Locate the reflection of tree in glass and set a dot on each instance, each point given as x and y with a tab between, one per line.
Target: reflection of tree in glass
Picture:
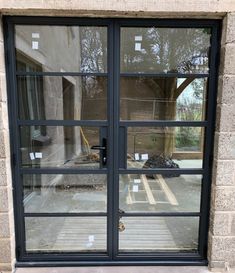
93	43
165	50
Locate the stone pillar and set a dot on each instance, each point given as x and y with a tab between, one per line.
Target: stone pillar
221	246
7	240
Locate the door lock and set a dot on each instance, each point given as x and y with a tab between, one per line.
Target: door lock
103	150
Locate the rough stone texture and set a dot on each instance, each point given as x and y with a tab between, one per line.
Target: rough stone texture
224	172
7	241
221	249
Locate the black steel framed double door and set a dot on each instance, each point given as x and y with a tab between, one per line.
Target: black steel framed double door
111	136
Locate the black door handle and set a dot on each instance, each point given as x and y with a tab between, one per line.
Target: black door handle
103	151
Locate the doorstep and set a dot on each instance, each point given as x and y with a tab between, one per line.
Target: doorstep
119	269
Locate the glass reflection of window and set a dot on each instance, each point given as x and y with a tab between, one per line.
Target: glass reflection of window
31	90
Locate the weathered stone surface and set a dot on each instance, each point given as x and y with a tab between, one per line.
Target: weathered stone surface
227	59
228	33
224	145
224	173
225	118
220	223
232	231
4	205
3	88
223	249
226	90
4	144
164	6
4	225
224	198
5	250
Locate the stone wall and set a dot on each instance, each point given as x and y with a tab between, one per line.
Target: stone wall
7	240
222	226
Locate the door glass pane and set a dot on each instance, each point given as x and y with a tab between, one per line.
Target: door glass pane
61	48
65	234
59	146
65	193
160	193
180	50
165	98
62	98
165	147
148	234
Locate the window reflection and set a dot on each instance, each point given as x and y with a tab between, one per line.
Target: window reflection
63	48
165	147
60	146
165	98
181	50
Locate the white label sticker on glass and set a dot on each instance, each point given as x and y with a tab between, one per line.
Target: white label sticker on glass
137	156
144	156
137	181
137	46
91	238
138	38
38	155
35	35
135	188
35	45
31	155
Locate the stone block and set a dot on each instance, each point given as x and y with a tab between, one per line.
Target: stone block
3	88
228	32
223	249
2	58
225	119
5	268
224	147
227	59
4	201
224	173
232	226
4	144
226	90
4	116
4	225
220	223
5	250
224	198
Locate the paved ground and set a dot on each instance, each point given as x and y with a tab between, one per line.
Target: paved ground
120	269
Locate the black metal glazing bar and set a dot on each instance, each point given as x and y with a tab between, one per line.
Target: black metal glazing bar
14	137
56	74
163	123
162	214
92	123
164	75
162	171
209	140
65	214
61	171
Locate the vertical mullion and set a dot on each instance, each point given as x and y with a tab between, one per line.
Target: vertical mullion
209	139
116	110
110	134
14	138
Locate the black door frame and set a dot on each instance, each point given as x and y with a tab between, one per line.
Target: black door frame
25	259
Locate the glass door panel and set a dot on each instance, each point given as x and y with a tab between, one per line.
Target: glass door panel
162	98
